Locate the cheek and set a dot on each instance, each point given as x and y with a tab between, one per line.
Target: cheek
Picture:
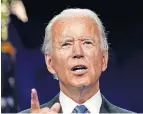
60	62
95	60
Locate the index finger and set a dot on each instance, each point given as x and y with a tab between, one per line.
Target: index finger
35	105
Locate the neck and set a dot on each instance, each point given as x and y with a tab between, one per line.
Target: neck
82	94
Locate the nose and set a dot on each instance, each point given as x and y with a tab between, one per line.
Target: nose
77	52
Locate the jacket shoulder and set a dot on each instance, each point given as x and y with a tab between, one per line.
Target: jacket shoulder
113	108
116	109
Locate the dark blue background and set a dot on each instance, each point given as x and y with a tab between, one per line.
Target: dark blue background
121	83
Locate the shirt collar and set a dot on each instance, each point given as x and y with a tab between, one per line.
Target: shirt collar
93	104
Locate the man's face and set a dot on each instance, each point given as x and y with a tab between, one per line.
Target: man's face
77	58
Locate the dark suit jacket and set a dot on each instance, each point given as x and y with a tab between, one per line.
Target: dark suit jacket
106	106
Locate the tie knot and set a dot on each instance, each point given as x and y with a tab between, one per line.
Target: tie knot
80	109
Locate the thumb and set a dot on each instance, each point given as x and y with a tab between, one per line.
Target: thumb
56	107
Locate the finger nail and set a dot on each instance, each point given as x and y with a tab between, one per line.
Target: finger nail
32	95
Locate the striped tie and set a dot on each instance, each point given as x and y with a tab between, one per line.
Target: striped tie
80	109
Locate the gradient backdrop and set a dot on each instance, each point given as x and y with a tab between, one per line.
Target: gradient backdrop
121	84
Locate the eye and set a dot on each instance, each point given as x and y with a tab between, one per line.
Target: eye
88	42
66	44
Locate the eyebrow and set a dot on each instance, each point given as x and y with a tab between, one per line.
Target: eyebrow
88	38
70	39
66	40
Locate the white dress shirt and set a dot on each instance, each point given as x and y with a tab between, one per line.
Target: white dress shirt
93	104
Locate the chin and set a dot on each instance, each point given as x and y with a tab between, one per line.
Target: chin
81	85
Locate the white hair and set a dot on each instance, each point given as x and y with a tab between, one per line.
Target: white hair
72	12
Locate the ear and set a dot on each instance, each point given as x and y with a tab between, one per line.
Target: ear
49	63
105	60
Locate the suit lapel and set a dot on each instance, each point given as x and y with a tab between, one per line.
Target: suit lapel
105	106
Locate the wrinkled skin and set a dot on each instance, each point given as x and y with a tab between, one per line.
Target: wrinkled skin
76	41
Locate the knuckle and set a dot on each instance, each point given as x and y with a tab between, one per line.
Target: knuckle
44	110
34	111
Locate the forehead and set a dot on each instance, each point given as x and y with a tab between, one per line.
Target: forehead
78	26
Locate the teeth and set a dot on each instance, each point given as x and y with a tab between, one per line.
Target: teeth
80	70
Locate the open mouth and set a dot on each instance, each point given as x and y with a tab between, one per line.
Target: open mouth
79	68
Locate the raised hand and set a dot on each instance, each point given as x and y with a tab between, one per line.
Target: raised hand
35	105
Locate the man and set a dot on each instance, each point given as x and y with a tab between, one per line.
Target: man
76	53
